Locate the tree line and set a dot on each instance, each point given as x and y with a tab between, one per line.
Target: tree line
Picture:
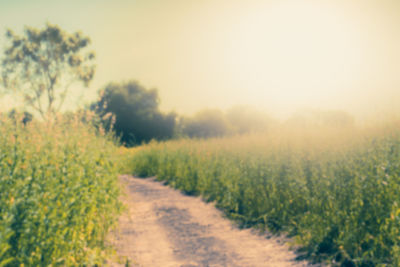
42	64
137	117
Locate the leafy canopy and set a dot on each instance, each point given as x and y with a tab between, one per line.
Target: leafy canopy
137	115
42	64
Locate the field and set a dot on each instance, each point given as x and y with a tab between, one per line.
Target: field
336	192
59	193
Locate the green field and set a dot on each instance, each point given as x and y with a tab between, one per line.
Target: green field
59	193
336	192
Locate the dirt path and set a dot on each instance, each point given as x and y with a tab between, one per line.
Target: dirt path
165	228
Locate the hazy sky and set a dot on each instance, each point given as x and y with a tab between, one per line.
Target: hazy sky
277	55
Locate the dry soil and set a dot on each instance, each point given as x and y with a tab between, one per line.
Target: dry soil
163	227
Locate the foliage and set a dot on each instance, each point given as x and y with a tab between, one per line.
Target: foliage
244	119
215	123
137	117
43	63
59	193
337	192
25	116
206	123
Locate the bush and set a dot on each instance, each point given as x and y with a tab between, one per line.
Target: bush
210	123
205	124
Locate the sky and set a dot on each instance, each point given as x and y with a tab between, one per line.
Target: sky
276	55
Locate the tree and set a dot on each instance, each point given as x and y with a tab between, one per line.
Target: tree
137	117
245	119
206	123
43	63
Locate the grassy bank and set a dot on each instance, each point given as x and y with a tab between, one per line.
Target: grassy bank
337	192
59	193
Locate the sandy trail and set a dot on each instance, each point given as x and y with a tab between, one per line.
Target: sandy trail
165	228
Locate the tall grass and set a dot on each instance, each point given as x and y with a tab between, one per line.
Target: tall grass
58	193
336	192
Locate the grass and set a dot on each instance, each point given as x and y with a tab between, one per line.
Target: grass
59	193
335	191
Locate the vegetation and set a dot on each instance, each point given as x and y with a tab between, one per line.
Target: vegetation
205	124
336	191
43	63
25	116
317	178
215	123
244	119
59	192
136	113
133	112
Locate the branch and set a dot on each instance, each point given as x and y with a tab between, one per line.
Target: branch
64	94
38	108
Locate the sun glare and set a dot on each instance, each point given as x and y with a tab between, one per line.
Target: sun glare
295	52
277	55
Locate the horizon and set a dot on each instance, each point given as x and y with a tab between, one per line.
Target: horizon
276	56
